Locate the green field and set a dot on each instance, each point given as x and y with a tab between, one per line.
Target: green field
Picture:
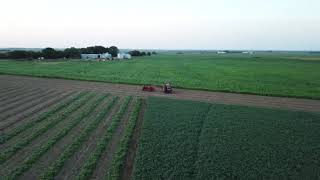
277	74
194	140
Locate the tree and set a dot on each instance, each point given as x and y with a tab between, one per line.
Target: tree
72	53
49	53
149	53
113	50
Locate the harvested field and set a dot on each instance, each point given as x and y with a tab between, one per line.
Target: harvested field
63	129
49	133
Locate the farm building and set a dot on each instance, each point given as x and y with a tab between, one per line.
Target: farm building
96	56
124	56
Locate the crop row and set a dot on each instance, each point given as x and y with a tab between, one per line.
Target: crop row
35	101
14	97
88	168
51	171
179	129
7	136
6	154
24	100
6	95
119	158
35	155
32	112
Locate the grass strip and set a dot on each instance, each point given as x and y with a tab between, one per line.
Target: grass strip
51	142
121	154
5	137
6	154
88	168
51	171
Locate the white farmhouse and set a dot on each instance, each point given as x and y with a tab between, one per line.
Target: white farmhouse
124	56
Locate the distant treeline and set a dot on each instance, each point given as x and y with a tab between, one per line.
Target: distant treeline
72	53
50	53
138	53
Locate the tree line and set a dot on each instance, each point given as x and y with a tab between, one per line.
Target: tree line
138	53
51	53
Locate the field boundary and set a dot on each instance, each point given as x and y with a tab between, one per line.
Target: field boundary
294	104
180	87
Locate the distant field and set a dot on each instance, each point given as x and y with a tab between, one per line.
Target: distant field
194	140
277	74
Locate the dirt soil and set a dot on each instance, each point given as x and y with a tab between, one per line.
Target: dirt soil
133	145
298	104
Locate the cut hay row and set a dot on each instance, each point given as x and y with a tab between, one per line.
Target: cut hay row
7	153
28	162
9	99
51	171
33	111
25	100
7	89
14	93
119	158
50	112
32	103
90	164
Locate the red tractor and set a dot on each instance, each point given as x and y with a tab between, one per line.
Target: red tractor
148	88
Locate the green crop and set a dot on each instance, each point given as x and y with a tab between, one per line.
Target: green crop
88	168
194	140
119	157
51	171
277	74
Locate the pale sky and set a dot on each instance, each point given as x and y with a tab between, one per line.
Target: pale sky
162	24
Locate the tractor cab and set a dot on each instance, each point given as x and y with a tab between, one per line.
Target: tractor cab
167	88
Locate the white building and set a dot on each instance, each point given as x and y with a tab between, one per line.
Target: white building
96	56
124	56
221	52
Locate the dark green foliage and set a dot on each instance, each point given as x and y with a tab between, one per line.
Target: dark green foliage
88	168
35	155
113	50
169	136
52	170
119	157
183	140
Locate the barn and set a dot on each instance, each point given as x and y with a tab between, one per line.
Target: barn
96	56
124	56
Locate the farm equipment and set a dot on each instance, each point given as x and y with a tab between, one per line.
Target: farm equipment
148	88
167	88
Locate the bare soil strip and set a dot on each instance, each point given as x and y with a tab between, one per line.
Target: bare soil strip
18	96
6	89
7	95
26	105
307	105
22	101
72	166
34	111
105	161
133	146
18	158
22	140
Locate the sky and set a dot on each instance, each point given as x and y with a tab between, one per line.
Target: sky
162	24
